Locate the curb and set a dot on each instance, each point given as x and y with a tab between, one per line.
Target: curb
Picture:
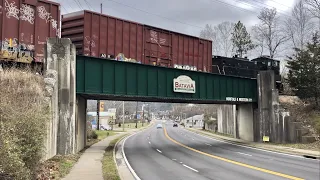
290	153
114	152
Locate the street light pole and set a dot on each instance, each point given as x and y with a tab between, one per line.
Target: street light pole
137	115
123	116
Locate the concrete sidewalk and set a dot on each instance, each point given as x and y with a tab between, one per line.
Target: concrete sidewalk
89	166
265	146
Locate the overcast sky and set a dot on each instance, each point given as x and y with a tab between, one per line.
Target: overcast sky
185	16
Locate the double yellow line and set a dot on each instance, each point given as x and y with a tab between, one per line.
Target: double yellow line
231	161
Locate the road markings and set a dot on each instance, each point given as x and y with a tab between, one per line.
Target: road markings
208	144
173	159
180	162
159	151
190	168
231	161
149	142
244	154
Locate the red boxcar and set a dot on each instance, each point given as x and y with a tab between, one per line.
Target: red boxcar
100	35
25	26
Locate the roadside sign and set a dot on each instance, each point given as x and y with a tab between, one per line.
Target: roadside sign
111	121
265	139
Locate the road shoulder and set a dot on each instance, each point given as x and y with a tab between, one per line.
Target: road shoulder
268	147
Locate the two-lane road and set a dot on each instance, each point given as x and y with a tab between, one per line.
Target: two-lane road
174	153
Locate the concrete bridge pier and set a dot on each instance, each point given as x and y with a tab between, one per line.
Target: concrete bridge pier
61	58
245	122
81	123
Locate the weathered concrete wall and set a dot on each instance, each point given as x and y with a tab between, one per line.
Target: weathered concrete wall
245	122
61	58
52	94
266	84
226	119
81	124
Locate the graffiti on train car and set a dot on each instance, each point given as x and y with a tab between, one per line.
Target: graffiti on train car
27	13
12	50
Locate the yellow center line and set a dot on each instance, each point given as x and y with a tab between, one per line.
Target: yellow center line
231	161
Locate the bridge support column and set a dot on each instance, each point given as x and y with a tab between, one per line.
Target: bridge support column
226	117
245	121
81	123
62	53
268	106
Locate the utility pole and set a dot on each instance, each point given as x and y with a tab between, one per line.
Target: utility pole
137	115
123	116
101	8
98	114
148	113
142	114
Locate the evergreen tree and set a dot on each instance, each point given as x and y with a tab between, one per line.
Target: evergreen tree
241	39
304	71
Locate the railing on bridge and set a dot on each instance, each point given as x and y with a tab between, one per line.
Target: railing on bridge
108	79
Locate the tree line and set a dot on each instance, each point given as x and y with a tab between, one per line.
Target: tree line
296	37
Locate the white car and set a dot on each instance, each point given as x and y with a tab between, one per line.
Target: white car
159	126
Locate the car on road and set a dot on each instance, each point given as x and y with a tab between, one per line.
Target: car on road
159	126
175	125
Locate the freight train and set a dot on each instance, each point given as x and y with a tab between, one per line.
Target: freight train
244	67
25	26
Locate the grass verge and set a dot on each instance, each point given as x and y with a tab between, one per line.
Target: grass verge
101	135
58	166
109	168
211	132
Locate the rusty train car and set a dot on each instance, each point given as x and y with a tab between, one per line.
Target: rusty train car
25	26
104	36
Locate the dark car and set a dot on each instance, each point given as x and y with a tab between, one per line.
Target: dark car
175	125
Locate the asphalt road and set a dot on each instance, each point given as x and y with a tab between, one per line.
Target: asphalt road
174	153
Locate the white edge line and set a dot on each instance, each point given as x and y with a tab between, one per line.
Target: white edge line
125	157
212	138
159	151
244	154
114	152
190	168
208	144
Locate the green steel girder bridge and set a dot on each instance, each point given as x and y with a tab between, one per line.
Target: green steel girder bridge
104	79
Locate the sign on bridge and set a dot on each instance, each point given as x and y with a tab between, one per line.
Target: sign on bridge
184	84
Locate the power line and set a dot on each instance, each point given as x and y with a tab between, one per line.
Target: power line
263	5
78	3
88	4
231	5
155	14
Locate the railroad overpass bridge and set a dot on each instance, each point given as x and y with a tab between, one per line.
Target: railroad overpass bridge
80	78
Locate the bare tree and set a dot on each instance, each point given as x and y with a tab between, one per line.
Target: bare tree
299	26
314	7
258	39
270	30
221	37
224	33
209	33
